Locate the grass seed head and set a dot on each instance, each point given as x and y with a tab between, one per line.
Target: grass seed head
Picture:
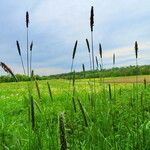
31	46
74	50
18	47
92	18
100	50
27	19
83	67
63	141
88	45
136	49
114	59
8	70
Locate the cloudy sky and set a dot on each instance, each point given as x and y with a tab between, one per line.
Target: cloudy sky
56	24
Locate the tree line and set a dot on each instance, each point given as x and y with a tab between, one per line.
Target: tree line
113	72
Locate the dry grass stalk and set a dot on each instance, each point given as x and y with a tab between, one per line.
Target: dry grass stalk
63	141
8	70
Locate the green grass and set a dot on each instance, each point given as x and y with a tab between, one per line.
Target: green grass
120	123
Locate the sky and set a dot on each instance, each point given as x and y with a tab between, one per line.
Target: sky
55	25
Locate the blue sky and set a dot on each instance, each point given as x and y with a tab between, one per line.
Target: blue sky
56	24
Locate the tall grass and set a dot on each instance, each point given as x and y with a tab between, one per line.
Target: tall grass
27	27
92	42
136	57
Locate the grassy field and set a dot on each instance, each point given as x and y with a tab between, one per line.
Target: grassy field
113	116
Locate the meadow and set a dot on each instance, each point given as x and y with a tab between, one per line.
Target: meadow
116	116
93	113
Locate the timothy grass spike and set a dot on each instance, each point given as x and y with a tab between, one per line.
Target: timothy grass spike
92	18
19	52
88	45
31	47
18	47
73	54
63	141
100	51
8	70
74	50
136	49
27	19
